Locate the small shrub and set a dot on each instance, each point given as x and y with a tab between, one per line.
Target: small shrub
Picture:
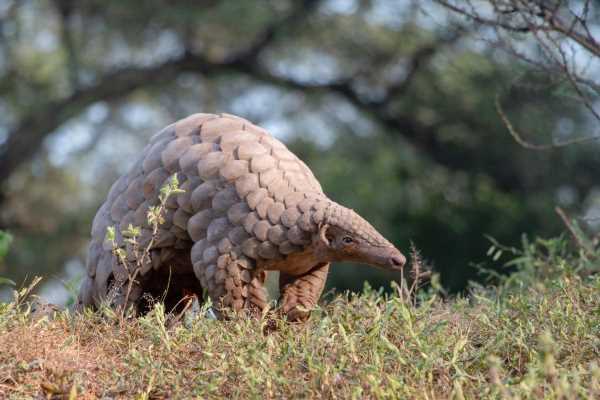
128	247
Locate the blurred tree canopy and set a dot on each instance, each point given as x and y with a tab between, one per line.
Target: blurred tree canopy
392	104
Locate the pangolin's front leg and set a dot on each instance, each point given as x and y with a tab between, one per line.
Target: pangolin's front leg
302	291
234	283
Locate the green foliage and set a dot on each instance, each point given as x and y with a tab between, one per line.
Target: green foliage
20	307
539	341
5	241
542	260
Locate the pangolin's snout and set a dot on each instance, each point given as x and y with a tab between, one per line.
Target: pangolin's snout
397	260
387	257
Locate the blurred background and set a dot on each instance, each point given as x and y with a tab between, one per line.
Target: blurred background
401	109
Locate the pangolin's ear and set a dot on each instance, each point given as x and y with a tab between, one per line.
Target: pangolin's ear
323	234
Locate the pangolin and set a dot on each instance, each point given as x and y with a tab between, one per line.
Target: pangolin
248	206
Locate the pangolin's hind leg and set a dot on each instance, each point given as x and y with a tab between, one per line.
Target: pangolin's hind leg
234	283
301	293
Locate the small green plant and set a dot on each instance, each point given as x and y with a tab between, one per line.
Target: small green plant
575	253
5	242
132	248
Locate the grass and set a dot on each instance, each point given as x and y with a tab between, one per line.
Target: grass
536	335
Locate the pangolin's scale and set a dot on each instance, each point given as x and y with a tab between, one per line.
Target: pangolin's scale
247	199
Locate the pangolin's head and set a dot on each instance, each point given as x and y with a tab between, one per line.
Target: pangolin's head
346	236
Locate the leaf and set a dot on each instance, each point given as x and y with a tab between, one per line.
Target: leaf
6	281
110	234
5	241
497	255
132	231
73	392
460	344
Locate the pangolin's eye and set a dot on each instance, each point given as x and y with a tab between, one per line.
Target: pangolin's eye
347	240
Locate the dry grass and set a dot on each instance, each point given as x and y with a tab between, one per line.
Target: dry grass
527	339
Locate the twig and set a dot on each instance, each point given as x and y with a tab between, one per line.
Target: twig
532	146
569	226
189	301
565	219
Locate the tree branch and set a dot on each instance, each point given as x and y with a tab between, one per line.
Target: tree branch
551	25
532	146
25	140
421	57
474	16
299	13
27	137
65	8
